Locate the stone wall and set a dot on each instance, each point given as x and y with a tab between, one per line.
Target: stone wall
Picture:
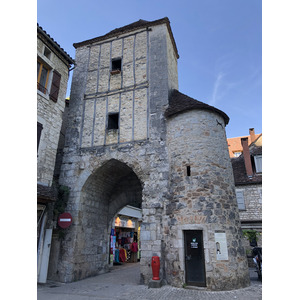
253	202
202	200
49	114
144	162
125	92
140	96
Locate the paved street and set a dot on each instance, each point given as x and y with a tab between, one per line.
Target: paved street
123	283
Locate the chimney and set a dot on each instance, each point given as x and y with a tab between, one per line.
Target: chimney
252	134
247	158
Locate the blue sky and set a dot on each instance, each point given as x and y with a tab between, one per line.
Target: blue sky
219	44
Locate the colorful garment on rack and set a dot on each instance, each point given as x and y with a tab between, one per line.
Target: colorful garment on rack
134	247
122	255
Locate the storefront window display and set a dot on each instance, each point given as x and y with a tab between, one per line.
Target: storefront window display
125	240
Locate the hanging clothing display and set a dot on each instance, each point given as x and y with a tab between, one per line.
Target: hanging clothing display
125	240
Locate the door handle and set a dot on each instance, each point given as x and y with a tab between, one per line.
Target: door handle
188	257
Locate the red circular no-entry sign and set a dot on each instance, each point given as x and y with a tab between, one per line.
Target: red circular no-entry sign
64	220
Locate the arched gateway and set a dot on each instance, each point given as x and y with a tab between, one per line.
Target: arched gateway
133	138
105	192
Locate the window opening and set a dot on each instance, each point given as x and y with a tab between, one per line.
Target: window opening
237	154
240	200
188	170
113	121
258	163
116	65
42	77
47	52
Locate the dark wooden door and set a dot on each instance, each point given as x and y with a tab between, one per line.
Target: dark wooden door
194	258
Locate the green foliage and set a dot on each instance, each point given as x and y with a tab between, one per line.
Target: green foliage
61	234
248	252
60	206
62	200
250	234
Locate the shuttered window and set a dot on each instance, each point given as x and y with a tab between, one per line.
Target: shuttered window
55	86
240	200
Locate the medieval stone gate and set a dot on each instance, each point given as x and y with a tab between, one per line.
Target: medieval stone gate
133	138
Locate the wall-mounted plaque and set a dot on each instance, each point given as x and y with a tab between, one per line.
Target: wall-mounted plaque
221	246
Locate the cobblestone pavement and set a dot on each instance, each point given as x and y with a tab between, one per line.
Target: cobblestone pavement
123	283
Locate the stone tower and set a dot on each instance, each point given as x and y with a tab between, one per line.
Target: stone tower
133	139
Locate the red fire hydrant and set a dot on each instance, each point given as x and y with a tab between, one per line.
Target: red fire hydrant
155	267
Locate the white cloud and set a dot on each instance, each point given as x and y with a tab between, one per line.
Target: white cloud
216	89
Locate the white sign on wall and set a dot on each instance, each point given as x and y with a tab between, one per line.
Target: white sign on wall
221	246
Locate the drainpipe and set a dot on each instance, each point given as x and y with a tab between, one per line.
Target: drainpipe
247	157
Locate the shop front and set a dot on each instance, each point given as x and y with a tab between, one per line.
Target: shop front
125	236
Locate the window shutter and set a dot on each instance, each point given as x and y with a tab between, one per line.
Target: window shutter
240	200
55	86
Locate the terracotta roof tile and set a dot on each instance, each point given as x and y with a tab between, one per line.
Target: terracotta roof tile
235	145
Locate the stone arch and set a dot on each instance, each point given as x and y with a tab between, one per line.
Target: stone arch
109	188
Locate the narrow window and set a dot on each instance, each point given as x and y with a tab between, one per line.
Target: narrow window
116	65
240	200
113	121
188	170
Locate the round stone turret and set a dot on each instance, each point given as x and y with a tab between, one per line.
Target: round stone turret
202	197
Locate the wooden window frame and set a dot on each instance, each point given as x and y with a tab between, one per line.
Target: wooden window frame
41	88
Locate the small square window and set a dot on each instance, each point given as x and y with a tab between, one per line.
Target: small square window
116	66
47	52
113	121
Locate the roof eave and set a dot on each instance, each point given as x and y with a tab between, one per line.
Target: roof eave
55	45
118	33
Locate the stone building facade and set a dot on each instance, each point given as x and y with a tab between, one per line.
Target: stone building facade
53	65
247	170
134	139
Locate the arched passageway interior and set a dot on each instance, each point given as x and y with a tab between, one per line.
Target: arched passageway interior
113	186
